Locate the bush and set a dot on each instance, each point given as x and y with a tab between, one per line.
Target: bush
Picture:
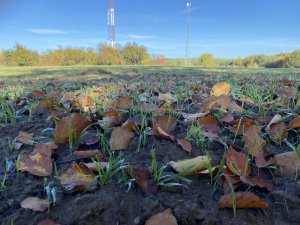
134	54
206	60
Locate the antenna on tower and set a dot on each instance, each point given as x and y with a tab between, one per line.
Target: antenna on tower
111	24
188	34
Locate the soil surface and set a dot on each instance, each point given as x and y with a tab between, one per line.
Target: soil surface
113	204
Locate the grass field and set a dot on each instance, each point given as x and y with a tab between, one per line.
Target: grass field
119	144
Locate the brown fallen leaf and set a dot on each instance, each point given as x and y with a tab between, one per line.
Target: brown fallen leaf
221	88
89	153
295	123
253	142
288	163
124	102
257	181
112	118
244	200
36	94
239	126
38	162
261	162
72	124
84	102
25	138
209	124
121	138
237	162
47	222
162	127
90	138
45	148
277	129
35	204
164	218
78	178
185	144
143	178
226	117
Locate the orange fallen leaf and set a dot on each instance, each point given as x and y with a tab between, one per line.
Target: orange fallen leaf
237	162
244	200
25	138
72	124
253	142
121	138
261	162
221	88
239	126
78	178
295	123
95	166
162	127
84	102
164	218
185	144
288	162
143	178
35	204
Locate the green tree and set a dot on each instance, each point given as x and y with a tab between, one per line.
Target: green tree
294	60
108	55
134	54
206	59
20	56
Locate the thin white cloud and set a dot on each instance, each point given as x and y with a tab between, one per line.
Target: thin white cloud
47	31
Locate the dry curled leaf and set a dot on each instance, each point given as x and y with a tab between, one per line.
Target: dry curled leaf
73	125
124	102
237	162
253	142
78	178
121	138
244	200
25	138
164	218
277	129
221	88
162	127
191	166
257	181
35	204
240	126
185	144
143	178
89	153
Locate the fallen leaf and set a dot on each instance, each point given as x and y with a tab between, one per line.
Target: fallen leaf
237	162
89	153
84	102
295	123
25	138
38	162
209	124
278	131
162	127
78	178
164	218
227	118
288	163
191	166
221	88
244	200
36	94
185	144
90	138
95	166
143	178
47	222
191	117
239	126
257	181
253	142
168	98
121	138
261	162
112	118
35	204
124	102
72	124
276	119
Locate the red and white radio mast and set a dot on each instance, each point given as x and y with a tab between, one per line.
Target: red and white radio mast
111	24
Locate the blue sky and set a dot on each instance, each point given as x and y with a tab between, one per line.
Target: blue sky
225	28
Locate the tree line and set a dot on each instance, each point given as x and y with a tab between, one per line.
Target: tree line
134	54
